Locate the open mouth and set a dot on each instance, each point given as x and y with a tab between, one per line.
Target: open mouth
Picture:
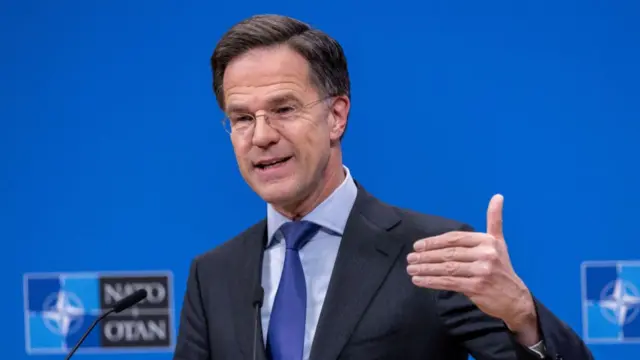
263	165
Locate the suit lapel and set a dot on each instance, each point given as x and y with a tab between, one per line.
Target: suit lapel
242	291
367	253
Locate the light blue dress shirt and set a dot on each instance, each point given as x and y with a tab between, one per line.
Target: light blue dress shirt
317	256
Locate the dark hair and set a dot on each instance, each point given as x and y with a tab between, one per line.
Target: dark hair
327	62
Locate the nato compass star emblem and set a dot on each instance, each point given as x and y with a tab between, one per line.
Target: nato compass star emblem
620	302
63	313
611	302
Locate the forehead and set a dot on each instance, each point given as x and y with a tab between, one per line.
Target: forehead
264	73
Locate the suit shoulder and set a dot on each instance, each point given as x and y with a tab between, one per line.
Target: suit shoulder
430	224
234	246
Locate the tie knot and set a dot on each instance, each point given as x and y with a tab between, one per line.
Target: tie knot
298	233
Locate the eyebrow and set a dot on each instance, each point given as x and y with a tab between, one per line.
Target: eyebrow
282	98
274	101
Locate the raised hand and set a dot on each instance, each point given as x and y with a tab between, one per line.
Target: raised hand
478	265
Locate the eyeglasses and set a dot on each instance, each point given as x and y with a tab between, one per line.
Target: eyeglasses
245	123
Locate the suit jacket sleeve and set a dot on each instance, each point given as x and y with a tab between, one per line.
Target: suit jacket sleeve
486	337
192	343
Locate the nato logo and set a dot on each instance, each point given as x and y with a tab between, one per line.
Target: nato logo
611	302
60	307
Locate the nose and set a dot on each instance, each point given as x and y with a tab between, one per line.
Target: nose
263	134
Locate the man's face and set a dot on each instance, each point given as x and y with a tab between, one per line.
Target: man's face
283	162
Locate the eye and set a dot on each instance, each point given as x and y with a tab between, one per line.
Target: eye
240	117
284	110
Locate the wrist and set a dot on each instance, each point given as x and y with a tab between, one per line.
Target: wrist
524	324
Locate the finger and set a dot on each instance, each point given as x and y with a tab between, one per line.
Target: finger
460	254
450	239
452	268
450	283
494	216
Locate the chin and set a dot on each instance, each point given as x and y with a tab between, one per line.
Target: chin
277	193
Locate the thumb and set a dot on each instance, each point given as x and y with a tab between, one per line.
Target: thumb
494	217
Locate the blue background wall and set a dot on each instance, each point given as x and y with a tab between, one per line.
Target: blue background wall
112	156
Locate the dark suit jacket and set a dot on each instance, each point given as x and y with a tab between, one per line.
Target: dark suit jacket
371	311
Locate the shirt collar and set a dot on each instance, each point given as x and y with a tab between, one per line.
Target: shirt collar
331	214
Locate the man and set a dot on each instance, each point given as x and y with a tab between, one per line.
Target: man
344	275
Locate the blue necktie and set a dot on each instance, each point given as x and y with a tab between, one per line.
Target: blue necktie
288	316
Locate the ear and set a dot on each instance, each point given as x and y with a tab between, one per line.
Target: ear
339	112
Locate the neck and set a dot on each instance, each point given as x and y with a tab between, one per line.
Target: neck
331	178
